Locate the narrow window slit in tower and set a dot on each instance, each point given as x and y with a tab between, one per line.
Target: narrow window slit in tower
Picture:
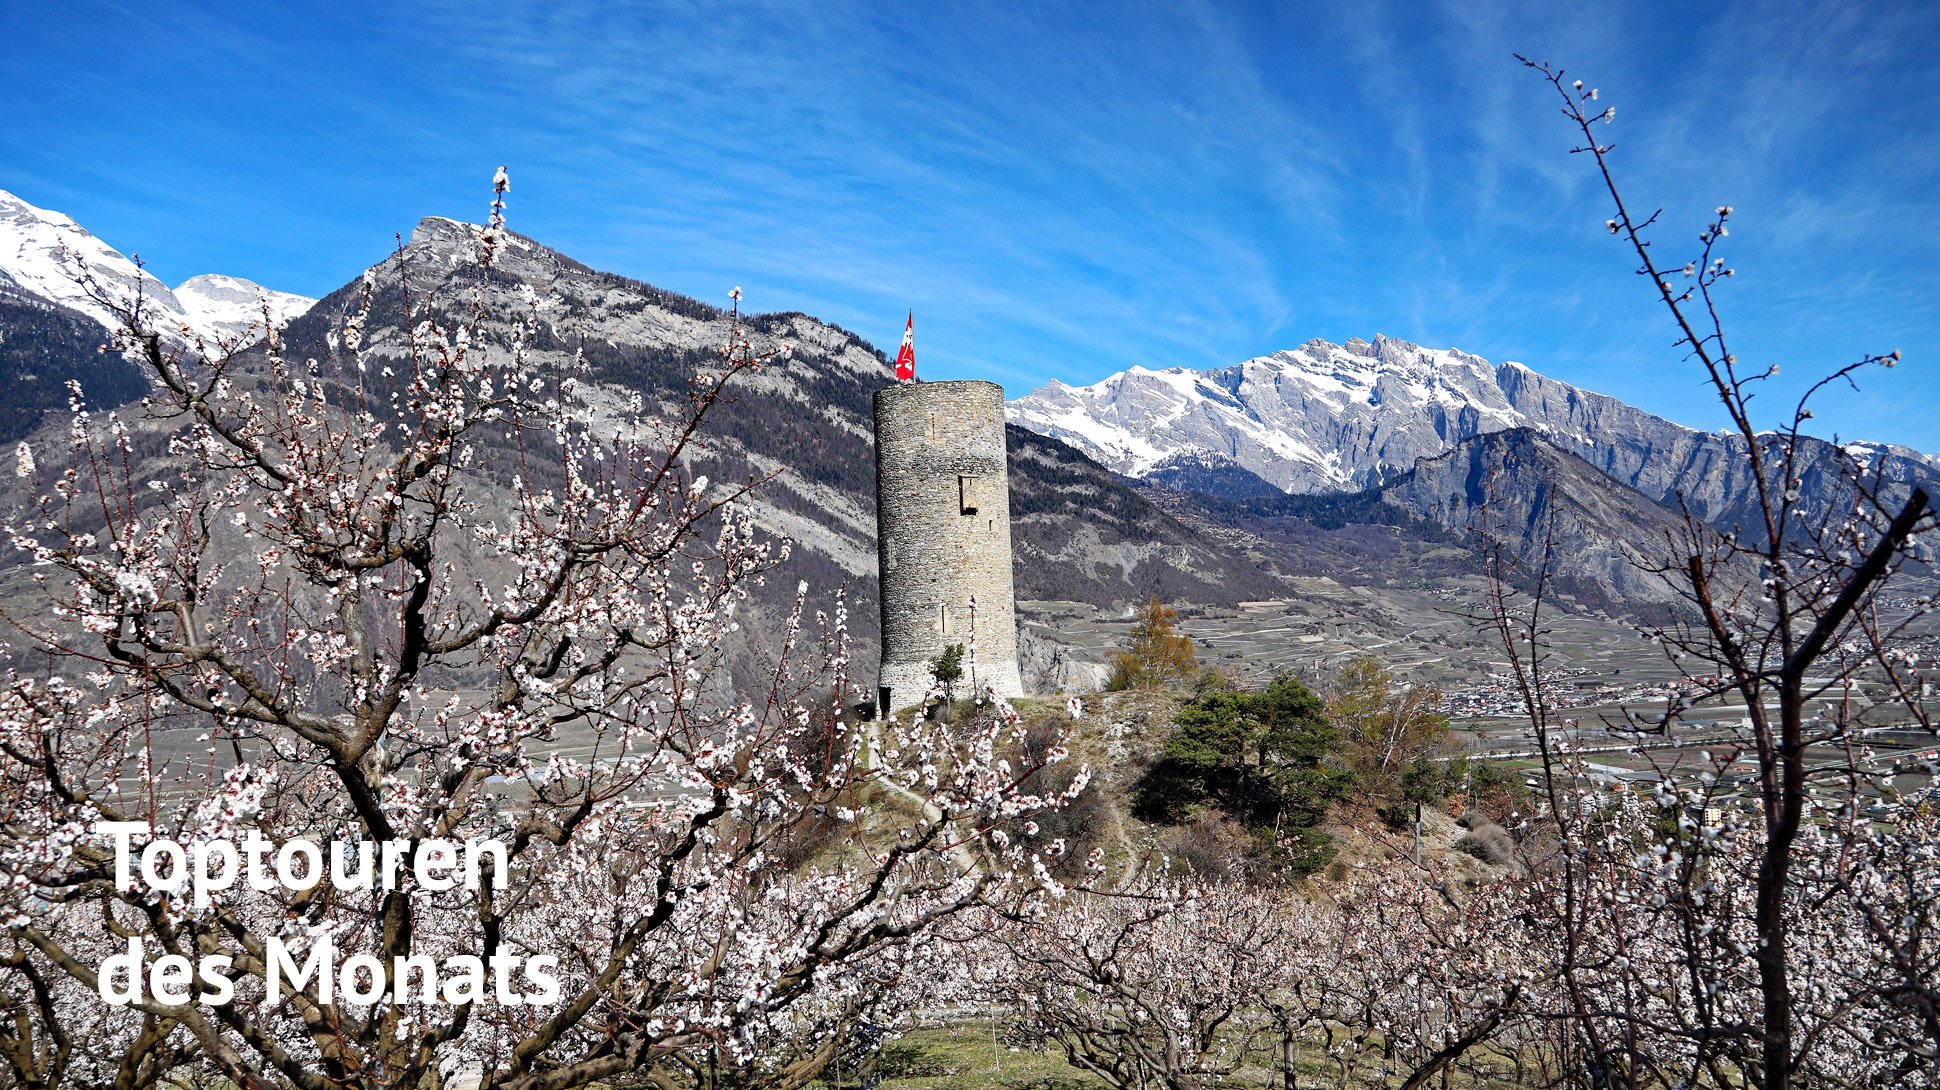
967	495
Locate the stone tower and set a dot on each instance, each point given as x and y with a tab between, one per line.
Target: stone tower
943	536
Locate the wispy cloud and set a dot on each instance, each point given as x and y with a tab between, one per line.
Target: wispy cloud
1061	190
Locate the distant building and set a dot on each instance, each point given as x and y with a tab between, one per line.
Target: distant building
943	536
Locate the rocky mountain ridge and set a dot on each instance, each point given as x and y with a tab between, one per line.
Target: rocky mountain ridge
1343	418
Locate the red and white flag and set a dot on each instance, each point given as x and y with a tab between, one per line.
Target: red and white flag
906	358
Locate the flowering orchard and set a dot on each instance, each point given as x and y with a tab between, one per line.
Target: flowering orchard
1625	956
413	594
1184	986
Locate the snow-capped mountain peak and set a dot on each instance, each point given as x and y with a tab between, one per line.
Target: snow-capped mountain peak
230	306
1335	418
42	251
1318	418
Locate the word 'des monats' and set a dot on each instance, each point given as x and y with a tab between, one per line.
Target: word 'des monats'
205	867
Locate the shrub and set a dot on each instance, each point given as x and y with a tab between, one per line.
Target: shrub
1487	841
1494	790
1206	847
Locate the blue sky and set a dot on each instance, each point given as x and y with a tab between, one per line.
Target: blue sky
1059	191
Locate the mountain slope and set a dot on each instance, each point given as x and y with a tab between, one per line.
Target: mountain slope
1081	533
43	346
1342	418
1213	474
1523	491
1514	485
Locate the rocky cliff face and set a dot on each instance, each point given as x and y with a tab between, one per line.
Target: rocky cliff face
1708	472
1342	418
1513	486
1519	489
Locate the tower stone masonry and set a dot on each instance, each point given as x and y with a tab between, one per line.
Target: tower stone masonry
943	536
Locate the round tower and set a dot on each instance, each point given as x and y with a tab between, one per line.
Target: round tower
943	536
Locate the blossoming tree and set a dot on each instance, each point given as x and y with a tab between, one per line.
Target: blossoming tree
1714	928
423	592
